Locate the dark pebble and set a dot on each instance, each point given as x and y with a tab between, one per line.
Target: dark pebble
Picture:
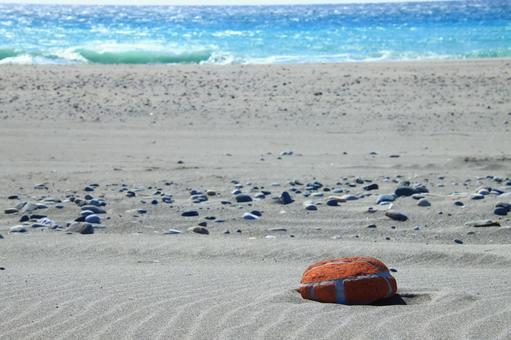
396	216
190	213
242	198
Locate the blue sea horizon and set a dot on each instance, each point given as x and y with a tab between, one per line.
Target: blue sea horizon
282	34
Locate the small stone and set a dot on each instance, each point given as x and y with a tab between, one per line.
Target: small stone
458	241
277	230
130	194
483	224
172	232
501	211
11	211
423	203
396	216
203	224
332	203
88	189
339	199
242	198
372	226
459	203
190	213
385	198
94	209
404	191
18	229
310	206
142	211
250	216
94	219
476	197
81	228
285	198
372	186
199	230
13	197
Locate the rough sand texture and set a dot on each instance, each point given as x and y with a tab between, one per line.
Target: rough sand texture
71	126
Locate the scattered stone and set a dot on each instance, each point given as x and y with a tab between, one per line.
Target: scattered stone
13	197
81	228
339	199
11	211
458	241
250	216
404	191
199	230
190	213
94	219
385	199
94	209
276	230
172	232
372	226
18	229
332	203
242	198
459	203
423	203
483	223
372	186
310	206
501	211
476	197
285	198
396	216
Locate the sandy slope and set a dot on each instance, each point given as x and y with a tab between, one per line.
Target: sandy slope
73	126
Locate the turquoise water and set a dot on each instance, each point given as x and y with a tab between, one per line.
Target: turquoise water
254	34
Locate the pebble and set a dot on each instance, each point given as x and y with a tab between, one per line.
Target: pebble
332	203
501	211
285	198
11	211
476	197
190	213
458	241
459	203
172	232
483	223
81	228
372	186
94	209
371	226
18	229
250	216
349	197
423	203
396	216
310	206
385	198
199	230
94	219
1	237
339	199
13	197
242	198
276	230
404	191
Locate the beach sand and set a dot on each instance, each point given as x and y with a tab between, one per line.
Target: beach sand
170	129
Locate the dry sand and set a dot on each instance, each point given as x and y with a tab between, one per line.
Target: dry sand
72	126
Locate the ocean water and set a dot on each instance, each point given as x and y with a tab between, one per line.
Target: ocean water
254	34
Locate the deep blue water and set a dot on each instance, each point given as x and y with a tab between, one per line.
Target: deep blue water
255	34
